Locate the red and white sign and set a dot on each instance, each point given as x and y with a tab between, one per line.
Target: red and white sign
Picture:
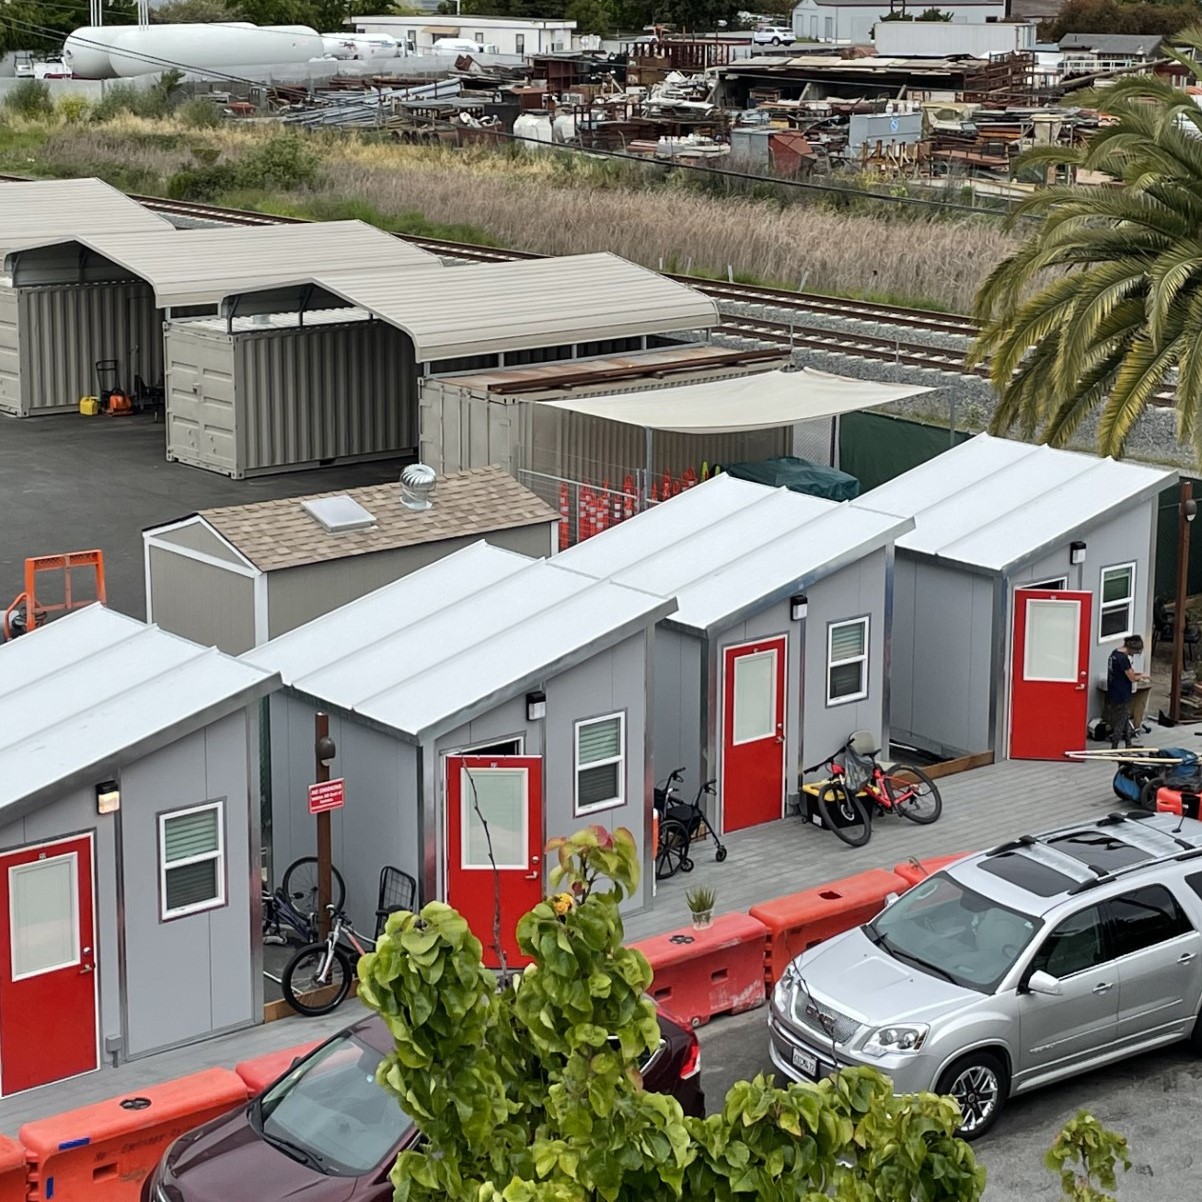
329	795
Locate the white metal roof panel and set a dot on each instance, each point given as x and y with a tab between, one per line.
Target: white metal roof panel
728	547
490	307
992	503
442	644
35	210
202	266
95	689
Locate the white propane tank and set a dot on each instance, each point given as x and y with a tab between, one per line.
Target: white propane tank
533	130
563	129
211	47
360	45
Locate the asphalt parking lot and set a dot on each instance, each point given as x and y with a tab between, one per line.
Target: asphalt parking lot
1155	1101
72	483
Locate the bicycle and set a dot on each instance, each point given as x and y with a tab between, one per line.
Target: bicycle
294	903
324	969
679	825
848	803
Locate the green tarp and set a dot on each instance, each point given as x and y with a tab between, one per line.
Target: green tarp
798	475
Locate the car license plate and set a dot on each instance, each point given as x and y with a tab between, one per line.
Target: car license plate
806	1064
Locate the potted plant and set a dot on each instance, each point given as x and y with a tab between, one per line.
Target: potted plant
701	906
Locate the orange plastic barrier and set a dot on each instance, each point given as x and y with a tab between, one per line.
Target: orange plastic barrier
260	1072
803	919
13	1183
702	973
103	1153
1175	801
913	871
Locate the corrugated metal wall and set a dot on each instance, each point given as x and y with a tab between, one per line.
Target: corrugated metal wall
322	393
201	426
10	355
65	330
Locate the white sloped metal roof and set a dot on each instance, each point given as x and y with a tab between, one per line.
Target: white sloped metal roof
992	503
728	547
449	641
94	690
490	307
34	210
197	267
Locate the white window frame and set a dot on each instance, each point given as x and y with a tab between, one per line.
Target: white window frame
165	914
1057	584
831	663
611	803
1104	606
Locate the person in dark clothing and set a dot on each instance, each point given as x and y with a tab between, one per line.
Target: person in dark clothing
1121	679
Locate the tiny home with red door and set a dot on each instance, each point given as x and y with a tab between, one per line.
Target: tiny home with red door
129	846
479	706
778	648
1027	566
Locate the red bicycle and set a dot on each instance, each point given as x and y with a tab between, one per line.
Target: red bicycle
859	788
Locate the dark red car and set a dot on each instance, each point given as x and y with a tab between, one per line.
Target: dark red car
326	1132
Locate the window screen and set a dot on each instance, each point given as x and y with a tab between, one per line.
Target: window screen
847	661
600	763
191	860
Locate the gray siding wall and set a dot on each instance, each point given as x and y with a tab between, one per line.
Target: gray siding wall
10	354
192	976
202	602
942	674
75	814
378	825
677	719
65	330
198	536
298	595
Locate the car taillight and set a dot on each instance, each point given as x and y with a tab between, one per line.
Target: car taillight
692	1059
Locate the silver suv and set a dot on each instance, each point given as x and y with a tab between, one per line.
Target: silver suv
1011	969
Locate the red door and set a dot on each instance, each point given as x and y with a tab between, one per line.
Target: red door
497	799
753	734
47	965
1049	673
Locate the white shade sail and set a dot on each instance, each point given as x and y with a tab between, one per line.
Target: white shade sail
756	402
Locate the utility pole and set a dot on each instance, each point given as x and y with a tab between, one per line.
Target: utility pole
324	751
1186	512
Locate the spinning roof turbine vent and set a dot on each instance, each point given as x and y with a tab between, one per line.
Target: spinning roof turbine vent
417	486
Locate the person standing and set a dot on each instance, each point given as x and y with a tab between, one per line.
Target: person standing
1121	679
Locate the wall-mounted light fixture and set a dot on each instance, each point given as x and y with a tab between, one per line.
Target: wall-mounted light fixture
536	706
108	797
1076	552
799	605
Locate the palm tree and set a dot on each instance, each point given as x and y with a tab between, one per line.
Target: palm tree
1102	301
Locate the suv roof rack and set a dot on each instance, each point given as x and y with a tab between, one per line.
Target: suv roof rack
1193	853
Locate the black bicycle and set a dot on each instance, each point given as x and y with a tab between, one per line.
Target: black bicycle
680	825
290	911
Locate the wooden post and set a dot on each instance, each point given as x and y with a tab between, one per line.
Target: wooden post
1185	517
322	754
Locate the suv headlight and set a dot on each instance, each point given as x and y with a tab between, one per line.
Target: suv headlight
785	986
905	1037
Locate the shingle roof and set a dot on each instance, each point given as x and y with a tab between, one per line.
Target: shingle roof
281	533
1146	44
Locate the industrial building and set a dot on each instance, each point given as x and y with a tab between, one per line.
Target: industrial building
78	297
502	35
852	21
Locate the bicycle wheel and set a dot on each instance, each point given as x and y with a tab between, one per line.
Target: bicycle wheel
306	989
913	794
300	885
673	850
844	813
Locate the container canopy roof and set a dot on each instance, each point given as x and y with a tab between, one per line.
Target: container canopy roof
492	307
35	210
992	503
728	547
202	267
445	644
94	691
756	402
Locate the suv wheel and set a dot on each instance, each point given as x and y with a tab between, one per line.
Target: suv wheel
776	41
979	1084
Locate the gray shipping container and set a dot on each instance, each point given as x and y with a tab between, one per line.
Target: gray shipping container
51	338
273	396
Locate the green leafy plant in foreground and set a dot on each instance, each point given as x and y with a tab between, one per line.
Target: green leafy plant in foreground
528	1090
1085	1155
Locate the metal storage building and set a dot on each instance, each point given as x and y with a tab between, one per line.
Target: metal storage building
129	845
1026	567
81	296
485	684
779	645
238	576
34	210
273	384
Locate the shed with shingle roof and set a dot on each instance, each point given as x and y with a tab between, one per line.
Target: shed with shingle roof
237	576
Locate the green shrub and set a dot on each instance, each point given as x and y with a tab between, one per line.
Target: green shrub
121	98
73	109
202	183
30	98
281	164
199	114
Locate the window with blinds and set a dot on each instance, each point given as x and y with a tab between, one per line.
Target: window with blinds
1116	617
847	661
600	763
191	860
